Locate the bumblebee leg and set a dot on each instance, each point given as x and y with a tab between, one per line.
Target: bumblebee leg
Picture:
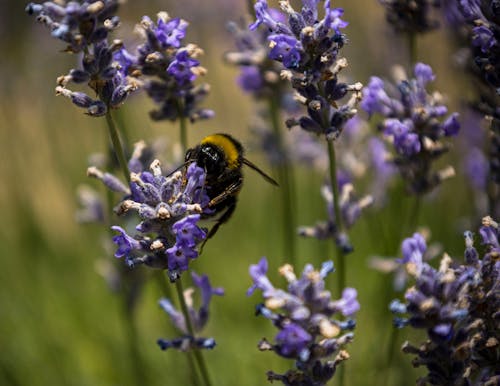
227	193
231	206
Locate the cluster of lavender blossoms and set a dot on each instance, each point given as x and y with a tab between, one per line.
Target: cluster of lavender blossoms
170	69
414	121
169	207
458	306
483	16
304	316
350	210
85	27
411	16
480	21
198	318
259	75
308	48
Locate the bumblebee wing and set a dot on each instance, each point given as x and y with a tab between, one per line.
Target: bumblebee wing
254	167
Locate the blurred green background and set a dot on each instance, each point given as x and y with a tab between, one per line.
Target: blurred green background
59	322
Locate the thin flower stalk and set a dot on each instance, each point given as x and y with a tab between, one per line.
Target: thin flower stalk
308	49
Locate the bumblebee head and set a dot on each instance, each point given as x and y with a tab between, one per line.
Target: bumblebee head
209	157
220	154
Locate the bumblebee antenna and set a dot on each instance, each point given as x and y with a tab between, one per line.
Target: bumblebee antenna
179	168
254	167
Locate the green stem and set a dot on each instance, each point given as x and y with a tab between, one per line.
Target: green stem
391	349
287	185
138	366
414	214
117	146
189	326
338	218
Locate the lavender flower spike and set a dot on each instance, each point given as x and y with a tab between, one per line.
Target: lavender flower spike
199	318
169	207
308	49
304	314
86	28
350	210
170	69
414	122
458	307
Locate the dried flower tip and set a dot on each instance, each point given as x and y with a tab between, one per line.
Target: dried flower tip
163	16
489	222
342	356
328	329
163	213
275	303
194	51
157	245
445	263
94	172
95	7
340	64
264	345
308	31
156	167
199	70
287	272
286	74
446	173
153	57
299	98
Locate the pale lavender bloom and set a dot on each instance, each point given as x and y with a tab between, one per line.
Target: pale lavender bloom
457	305
170	70
308	48
415	122
305	316
86	27
170	208
350	209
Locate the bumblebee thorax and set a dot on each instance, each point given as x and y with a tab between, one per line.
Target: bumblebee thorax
228	148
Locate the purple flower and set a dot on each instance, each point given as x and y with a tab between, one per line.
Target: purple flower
477	167
169	70
413	249
292	340
86	28
125	243
171	32
414	122
250	79
258	273
304	314
178	257
170	208
181	67
308	48
350	209
285	49
457	305
348	305
187	231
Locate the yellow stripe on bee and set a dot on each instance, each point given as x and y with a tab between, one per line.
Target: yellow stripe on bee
228	147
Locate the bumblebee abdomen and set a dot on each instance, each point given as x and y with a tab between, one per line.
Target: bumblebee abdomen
232	149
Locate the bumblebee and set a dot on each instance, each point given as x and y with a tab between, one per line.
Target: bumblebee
222	158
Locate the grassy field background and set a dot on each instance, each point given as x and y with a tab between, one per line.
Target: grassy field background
59	322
